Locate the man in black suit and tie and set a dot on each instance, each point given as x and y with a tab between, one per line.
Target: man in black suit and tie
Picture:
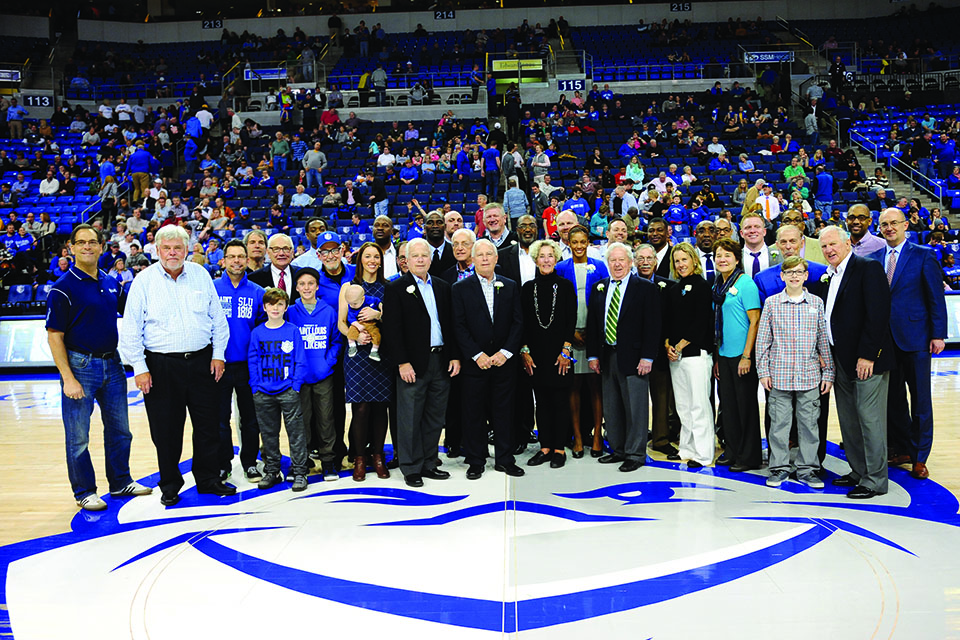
418	329
623	331
858	326
488	323
658	235
665	421
918	327
514	262
441	253
279	273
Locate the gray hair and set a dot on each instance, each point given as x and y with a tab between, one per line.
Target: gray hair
841	232
545	244
619	245
464	231
482	242
172	232
641	247
279	236
415	243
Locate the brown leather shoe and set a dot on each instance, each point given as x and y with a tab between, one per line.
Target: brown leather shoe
898	459
379	466
359	469
920	471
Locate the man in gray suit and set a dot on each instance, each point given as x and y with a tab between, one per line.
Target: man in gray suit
757	256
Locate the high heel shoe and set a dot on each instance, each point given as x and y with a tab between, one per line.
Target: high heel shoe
379	466
577	454
359	469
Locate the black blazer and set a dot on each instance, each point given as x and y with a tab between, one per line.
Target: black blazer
638	327
406	323
662	363
508	262
860	321
264	277
471	320
663	268
446	260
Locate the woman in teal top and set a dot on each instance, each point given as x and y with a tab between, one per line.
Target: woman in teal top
736	302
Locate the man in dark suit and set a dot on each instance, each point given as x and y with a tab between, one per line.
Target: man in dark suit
441	253
489	328
665	421
279	273
858	315
919	327
623	331
418	329
658	235
513	262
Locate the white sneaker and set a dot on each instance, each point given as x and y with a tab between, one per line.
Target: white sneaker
132	489
92	503
811	480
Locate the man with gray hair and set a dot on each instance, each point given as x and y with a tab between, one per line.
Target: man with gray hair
623	334
174	335
857	300
418	325
515	202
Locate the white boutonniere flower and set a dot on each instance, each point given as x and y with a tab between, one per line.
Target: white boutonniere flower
411	289
733	291
686	290
774	253
600	287
662	284
497	286
591	268
825	277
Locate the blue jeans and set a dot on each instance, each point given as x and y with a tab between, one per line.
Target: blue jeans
382	208
279	163
314	178
105	382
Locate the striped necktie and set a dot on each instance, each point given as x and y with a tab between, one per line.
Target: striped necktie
891	266
613	313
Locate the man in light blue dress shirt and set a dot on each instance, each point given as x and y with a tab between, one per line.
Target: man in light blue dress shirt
174	335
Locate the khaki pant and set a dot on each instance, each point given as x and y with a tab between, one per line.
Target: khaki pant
141	185
371	328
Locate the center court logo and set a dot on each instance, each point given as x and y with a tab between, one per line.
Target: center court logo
664	537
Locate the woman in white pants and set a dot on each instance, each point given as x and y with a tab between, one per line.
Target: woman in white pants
689	343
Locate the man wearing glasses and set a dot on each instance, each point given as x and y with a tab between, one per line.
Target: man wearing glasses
862	241
809	247
279	273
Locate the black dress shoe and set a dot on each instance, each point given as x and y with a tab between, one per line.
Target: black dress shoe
520	448
538	459
413	480
667	450
557	460
474	471
674	456
577	454
510	469
453	452
845	481
532	438
394	463
218	489
631	465
596	453
740	468
435	474
693	464
169	499
610	458
862	493
724	461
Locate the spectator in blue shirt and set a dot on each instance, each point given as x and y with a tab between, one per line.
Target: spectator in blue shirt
15	116
720	165
823	189
358	225
409	174
491	170
515	202
578	205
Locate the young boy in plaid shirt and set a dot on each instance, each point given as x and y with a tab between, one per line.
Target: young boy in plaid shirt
794	362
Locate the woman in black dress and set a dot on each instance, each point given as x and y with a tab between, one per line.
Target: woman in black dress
549	321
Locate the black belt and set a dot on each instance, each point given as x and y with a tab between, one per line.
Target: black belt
436	349
105	355
187	355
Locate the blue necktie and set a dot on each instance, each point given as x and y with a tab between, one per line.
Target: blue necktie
756	263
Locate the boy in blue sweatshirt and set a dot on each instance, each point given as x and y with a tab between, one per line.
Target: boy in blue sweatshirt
318	327
277	363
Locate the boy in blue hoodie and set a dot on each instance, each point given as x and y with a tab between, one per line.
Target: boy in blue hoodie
277	363
317	322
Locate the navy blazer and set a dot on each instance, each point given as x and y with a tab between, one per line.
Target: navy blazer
638	327
565	269
919	308
406	322
861	317
475	333
769	282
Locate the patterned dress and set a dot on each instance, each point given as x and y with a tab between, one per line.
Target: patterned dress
367	380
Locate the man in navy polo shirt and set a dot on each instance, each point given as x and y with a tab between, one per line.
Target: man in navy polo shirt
242	303
82	332
491	170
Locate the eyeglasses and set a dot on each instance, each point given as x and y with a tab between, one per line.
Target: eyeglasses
281	249
325	253
794	272
86	243
891	225
858	218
